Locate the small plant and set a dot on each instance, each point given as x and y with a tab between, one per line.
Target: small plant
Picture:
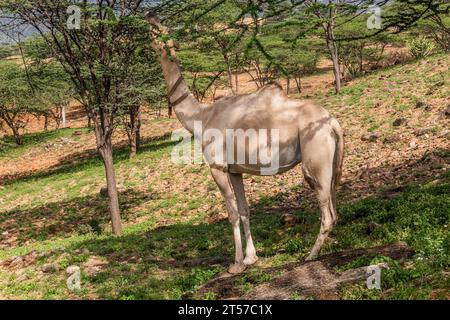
421	47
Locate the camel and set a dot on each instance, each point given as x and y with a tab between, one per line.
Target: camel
308	135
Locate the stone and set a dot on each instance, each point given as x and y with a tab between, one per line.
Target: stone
289	220
400	122
72	269
420	104
371	227
447	112
413	144
392	139
423	105
94	265
445	134
422	131
16	261
21	278
371	137
50	268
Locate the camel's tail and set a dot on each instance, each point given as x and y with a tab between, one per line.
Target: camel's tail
338	159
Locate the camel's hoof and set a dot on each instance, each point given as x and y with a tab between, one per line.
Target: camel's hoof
237	268
248	261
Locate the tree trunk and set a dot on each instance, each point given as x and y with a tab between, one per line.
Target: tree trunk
104	145
17	137
230	74
11	123
112	190
333	49
298	82
135	130
236	82
63	116
46	121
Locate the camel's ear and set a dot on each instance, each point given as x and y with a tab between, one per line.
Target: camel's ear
154	21
152	18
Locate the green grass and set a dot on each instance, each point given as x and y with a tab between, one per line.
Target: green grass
169	248
147	262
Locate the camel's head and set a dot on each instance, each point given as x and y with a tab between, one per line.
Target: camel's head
158	32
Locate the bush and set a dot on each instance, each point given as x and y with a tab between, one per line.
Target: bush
421	47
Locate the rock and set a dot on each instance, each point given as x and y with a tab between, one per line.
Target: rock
289	220
72	269
371	137
94	265
445	134
413	144
447	112
77	133
63	257
21	277
50	268
422	131
371	226
15	262
420	104
436	165
423	105
392	139
104	192
400	122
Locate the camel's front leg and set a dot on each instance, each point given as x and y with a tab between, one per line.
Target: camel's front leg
244	211
223	181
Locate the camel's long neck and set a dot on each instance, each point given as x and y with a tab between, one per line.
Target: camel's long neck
187	108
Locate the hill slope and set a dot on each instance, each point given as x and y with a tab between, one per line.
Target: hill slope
176	234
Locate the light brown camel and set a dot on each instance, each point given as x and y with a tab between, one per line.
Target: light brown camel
307	135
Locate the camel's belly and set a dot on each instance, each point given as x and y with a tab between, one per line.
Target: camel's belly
261	171
257	152
287	159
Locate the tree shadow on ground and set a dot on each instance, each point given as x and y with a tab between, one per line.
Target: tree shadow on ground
79	161
168	261
76	216
7	143
192	254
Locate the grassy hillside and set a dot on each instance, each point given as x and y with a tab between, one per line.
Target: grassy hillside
176	237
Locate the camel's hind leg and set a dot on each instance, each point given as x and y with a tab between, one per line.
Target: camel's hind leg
319	170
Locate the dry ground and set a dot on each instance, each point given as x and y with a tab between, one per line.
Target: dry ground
51	213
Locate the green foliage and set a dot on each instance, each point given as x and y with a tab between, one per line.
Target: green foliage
16	97
358	56
437	28
7	51
421	47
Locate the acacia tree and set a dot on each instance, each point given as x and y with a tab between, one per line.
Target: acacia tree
49	78
54	90
141	85
209	28
16	98
92	56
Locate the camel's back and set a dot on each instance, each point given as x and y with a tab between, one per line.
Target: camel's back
267	108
